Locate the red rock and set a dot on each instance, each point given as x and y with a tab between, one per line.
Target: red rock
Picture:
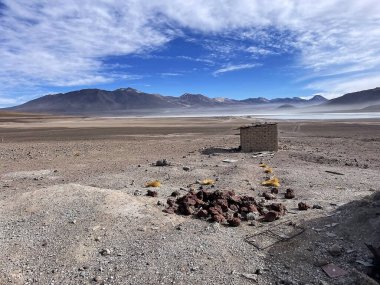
218	218
252	208
278	207
302	206
234	208
168	210
223	204
269	196
289	194
274	190
271	216
202	214
170	202
152	193
234	222
234	199
244	210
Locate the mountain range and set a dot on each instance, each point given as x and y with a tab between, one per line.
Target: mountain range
95	101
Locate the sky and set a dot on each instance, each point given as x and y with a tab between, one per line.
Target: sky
220	48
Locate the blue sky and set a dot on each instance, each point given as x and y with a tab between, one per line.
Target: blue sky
220	48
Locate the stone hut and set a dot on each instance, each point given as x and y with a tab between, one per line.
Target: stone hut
259	137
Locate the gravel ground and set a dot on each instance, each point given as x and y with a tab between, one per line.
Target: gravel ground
74	208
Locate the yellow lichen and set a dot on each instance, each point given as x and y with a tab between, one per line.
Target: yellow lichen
207	182
268	169
263	165
154	183
274	181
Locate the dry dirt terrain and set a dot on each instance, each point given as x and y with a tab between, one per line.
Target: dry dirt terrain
74	210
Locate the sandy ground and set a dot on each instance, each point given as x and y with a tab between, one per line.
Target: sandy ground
73	187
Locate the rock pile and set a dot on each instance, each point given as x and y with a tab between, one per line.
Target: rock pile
223	207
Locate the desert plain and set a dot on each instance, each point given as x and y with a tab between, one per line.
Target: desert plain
74	210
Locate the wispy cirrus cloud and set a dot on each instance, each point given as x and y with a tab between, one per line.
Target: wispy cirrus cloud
230	68
64	42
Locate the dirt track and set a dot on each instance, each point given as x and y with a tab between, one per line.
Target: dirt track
70	187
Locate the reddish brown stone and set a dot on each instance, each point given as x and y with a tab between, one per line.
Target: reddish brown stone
152	193
218	218
271	216
302	206
244	210
169	210
234	222
202	214
278	207
215	210
234	199
234	208
223	204
170	202
252	208
289	194
190	201
269	196
274	190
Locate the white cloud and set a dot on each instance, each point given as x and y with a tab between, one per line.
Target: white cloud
166	74
259	51
339	86
64	42
229	68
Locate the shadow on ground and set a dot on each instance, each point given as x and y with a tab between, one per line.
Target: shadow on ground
215	150
339	239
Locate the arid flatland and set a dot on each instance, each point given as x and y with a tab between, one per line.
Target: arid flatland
74	208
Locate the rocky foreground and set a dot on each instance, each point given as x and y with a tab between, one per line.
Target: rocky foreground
75	207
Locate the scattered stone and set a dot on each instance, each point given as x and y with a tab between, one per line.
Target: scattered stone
159	203
336	250
289	194
137	193
175	193
97	238
73	222
319	207
332	235
97	279
271	216
105	252
162	162
302	206
152	193
186	168
249	276
234	222
274	190
252	216
269	196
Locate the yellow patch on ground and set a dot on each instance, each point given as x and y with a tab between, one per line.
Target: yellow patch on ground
274	181
154	183
207	182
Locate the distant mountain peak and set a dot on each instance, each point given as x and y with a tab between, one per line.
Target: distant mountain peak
128	89
318	99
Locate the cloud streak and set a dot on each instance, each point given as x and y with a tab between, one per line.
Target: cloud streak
230	68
